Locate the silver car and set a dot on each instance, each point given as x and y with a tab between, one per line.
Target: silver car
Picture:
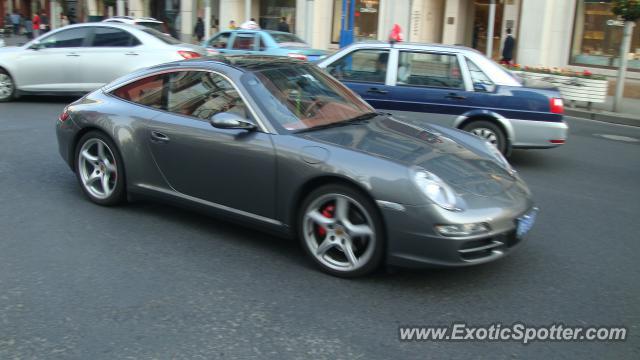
453	86
278	144
81	58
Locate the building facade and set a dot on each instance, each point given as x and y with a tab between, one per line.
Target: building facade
579	34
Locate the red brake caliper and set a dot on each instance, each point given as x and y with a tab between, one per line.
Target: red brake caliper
328	213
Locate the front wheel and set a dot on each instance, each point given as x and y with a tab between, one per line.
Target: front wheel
7	87
488	131
99	169
341	230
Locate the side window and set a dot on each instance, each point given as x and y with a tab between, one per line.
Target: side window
147	91
244	41
480	80
362	65
202	94
220	41
67	38
112	37
429	69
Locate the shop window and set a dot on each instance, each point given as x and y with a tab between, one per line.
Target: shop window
365	25
597	36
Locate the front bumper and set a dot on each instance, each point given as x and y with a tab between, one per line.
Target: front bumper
538	134
413	242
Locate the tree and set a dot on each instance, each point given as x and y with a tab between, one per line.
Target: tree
629	11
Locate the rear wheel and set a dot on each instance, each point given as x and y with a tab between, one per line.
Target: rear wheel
341	230
7	87
488	131
99	169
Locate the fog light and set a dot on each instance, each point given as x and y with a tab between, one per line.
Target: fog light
463	229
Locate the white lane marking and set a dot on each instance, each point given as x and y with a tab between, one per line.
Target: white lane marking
618	137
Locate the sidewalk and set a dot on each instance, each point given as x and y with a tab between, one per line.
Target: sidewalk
629	113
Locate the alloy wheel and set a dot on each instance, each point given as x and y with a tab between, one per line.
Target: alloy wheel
97	168
339	232
486	134
6	86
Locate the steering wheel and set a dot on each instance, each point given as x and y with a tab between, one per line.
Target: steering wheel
315	103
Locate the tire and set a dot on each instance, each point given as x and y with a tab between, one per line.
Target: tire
7	87
96	168
342	243
488	131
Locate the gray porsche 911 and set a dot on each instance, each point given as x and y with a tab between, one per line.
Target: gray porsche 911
278	144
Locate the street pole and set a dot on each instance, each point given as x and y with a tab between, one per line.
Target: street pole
53	14
622	71
207	18
490	26
120	8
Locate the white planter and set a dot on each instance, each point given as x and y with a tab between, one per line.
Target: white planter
573	88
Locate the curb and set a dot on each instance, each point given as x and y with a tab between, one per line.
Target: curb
614	118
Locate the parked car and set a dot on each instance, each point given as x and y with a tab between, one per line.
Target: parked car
80	58
142	21
453	86
262	42
278	143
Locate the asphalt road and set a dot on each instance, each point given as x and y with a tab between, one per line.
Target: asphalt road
79	281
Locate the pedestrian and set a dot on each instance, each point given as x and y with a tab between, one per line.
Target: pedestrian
250	25
232	25
507	49
198	30
44	22
36	25
16	19
282	25
28	28
64	20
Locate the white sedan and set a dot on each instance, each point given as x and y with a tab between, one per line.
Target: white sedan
81	58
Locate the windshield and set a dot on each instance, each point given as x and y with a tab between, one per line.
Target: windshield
303	97
162	37
286	38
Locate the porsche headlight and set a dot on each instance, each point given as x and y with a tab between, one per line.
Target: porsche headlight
435	189
497	155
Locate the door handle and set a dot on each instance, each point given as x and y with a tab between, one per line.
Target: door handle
159	137
73	54
131	53
377	91
455	96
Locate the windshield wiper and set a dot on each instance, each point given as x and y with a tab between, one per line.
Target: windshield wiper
360	119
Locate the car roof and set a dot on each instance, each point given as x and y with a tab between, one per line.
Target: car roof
411	45
260	31
244	63
132	19
108	24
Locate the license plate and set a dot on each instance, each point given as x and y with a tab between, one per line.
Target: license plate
525	222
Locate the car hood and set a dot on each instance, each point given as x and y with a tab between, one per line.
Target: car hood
461	161
9	49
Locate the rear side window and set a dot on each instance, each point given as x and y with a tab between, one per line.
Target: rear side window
112	37
362	66
203	94
147	91
66	38
286	38
429	69
244	42
220	41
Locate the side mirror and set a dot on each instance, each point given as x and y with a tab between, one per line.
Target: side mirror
480	87
227	120
35	45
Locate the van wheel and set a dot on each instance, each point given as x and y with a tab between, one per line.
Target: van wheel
488	131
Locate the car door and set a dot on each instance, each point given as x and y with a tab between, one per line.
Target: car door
244	43
52	64
229	168
429	86
365	72
220	42
111	53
